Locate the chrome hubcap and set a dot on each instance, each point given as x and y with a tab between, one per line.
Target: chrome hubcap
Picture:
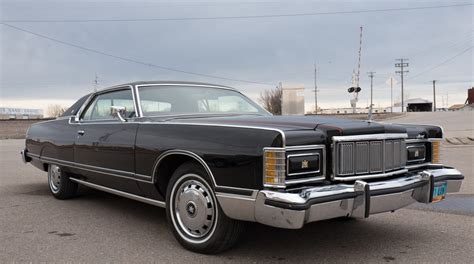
194	208
54	178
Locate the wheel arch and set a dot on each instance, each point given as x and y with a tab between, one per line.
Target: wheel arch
169	161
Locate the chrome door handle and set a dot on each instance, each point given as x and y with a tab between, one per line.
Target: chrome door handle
81	132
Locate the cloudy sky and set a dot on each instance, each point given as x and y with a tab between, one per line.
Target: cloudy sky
36	71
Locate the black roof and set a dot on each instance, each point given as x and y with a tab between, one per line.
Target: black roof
169	82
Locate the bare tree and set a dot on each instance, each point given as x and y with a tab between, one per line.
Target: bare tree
271	100
55	110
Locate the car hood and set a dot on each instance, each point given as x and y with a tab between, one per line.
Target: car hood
335	126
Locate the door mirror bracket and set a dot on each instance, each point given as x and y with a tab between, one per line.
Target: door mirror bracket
118	112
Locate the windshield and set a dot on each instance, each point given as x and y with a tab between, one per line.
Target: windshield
171	100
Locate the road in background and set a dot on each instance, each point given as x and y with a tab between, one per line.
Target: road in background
100	227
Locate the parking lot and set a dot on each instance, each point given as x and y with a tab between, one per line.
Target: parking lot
100	227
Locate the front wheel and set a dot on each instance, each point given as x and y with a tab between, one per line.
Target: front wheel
60	185
197	221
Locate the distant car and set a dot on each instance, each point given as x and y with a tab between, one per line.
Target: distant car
213	158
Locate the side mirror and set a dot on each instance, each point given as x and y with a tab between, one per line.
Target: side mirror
118	112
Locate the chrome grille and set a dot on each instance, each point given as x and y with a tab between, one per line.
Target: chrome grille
369	157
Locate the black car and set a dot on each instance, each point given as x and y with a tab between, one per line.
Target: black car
214	159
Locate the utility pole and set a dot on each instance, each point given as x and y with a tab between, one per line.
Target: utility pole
447	100
391	95
96	83
434	95
371	75
403	64
315	89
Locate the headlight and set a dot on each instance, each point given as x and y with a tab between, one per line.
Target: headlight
423	152
435	150
416	153
274	167
303	164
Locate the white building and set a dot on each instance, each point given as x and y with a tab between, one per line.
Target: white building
20	113
292	100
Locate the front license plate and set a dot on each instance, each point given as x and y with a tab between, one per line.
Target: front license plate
439	192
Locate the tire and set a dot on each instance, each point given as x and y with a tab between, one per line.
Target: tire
60	186
195	216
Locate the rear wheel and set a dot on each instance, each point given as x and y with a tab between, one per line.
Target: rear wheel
196	219
60	185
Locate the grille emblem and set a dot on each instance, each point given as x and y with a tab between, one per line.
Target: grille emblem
417	153
304	164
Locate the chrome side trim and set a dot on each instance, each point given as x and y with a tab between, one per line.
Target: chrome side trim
121	193
181	152
370	137
220	125
100	170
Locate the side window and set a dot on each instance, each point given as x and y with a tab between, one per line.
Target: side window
99	108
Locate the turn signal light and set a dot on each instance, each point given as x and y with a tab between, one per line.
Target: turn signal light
435	150
274	167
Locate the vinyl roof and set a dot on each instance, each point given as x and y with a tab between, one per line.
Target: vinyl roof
169	82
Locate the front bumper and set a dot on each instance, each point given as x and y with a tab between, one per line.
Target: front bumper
293	210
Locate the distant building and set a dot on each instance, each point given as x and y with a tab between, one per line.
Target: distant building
414	105
461	107
20	113
456	107
292	101
470	96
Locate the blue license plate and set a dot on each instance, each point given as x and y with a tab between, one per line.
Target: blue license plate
439	191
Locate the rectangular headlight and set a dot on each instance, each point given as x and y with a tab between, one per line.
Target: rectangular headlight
416	153
274	167
435	151
303	163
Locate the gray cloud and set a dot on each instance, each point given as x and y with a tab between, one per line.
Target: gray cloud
265	50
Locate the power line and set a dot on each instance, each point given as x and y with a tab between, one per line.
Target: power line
442	63
233	17
130	59
467	39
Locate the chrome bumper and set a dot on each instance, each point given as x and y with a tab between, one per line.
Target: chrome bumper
358	200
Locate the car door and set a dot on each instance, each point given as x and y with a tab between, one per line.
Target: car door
105	146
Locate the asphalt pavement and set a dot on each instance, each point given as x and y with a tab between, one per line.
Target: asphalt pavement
97	227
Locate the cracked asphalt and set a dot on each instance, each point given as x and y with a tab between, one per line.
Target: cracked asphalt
97	227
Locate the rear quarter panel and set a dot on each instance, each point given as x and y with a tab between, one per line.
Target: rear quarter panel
52	139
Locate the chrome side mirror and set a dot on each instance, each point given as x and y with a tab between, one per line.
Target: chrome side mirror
118	112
